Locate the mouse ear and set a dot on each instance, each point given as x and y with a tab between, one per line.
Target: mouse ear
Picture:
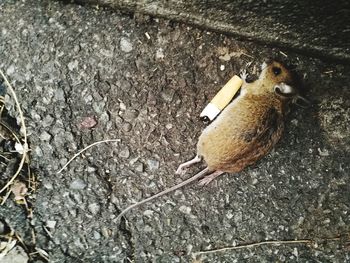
284	90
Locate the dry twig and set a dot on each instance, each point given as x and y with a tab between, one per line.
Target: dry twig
83	150
269	242
274	242
23	126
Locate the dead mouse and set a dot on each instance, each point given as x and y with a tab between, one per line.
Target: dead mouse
246	130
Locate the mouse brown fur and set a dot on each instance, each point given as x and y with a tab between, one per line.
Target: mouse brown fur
249	127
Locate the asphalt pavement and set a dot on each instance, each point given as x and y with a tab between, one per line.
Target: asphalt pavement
84	74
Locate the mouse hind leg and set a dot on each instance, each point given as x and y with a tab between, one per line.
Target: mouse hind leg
182	167
206	180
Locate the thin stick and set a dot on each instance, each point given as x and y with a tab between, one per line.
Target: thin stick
6	197
25	147
280	242
3	156
83	150
9	129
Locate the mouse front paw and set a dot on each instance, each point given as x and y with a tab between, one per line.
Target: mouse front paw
244	75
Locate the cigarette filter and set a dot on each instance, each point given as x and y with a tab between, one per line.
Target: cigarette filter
222	98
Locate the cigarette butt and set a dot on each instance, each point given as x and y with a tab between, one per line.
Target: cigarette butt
222	98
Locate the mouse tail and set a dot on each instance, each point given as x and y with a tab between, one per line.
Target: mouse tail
169	190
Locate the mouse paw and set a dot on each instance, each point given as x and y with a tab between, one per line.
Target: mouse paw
206	180
182	167
244	75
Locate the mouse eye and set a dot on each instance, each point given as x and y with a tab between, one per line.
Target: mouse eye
276	71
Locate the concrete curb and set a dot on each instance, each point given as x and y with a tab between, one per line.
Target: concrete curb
285	25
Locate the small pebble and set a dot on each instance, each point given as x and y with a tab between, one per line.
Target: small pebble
77	184
45	136
148	228
76	48
294	122
51	224
222	67
125	45
122	106
10	70
139	167
94	208
97	235
185	209
38	152
47	121
229	214
91	169
104	118
160	54
130	115
126	127
148	213
153	164
72	65
124	153
167	94
59	95
105	232
15	255
48	185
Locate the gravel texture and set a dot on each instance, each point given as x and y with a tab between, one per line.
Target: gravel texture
84	74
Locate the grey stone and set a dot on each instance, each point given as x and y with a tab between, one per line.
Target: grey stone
78	184
99	106
126	127
153	164
130	115
47	121
73	65
139	167
125	45
160	54
104	118
51	224
59	95
94	208
168	94
38	152
185	209
45	136
97	235
10	70
124	152
15	255
47	184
